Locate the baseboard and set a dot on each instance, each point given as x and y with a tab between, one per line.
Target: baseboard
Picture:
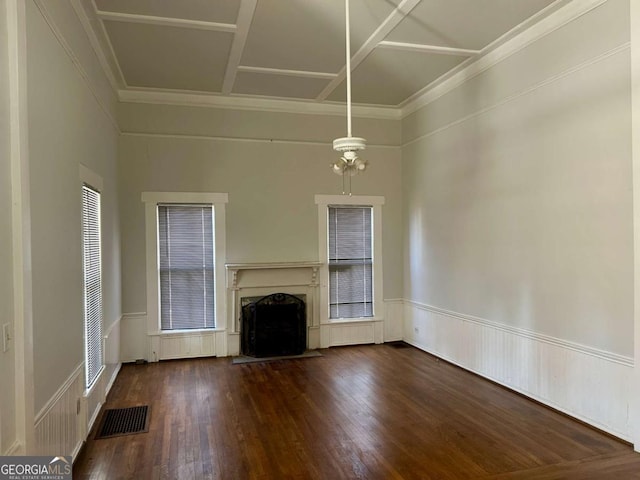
586	383
76	451
112	380
96	412
91	421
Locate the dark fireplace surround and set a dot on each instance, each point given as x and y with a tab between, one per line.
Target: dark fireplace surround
274	325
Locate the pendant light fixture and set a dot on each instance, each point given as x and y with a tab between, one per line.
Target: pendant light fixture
349	163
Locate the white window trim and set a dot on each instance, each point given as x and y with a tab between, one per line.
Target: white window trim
376	202
92	179
151	201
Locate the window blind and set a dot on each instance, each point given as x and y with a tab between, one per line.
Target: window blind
186	251
92	283
350	262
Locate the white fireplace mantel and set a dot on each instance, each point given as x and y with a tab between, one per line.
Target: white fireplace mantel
235	268
257	279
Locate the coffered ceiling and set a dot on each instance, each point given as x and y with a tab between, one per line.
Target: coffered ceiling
294	49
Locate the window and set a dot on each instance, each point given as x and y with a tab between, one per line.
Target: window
350	229
92	283
186	266
185	257
350	262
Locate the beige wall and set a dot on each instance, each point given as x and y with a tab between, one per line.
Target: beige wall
517	189
7	374
271	214
67	127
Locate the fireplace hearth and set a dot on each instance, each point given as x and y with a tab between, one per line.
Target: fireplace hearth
274	325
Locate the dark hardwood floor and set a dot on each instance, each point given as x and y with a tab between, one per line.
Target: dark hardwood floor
366	412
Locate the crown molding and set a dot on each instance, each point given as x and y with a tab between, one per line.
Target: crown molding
96	43
103	103
199	99
529	31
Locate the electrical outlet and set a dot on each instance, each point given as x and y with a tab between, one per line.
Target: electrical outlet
6	337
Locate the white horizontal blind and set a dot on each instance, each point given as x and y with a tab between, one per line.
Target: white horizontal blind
185	245
350	262
92	283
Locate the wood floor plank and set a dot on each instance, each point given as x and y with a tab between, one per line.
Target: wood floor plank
364	412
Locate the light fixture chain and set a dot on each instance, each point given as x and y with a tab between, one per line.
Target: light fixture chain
349	163
348	50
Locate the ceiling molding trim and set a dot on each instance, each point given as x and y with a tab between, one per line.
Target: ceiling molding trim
416	47
165	21
245	17
43	6
527	91
235	102
392	21
112	52
528	32
288	73
243	139
107	66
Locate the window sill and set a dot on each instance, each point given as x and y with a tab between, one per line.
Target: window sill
333	321
89	391
188	331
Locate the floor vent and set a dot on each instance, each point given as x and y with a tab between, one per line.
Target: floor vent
124	421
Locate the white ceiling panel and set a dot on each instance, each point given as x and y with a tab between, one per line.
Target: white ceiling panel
387	77
278	85
170	57
295	49
220	11
309	34
469	24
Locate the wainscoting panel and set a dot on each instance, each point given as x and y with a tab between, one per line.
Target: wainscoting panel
133	337
187	346
65	421
586	383
356	333
57	425
393	323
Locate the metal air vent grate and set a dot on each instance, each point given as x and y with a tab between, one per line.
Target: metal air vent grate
124	421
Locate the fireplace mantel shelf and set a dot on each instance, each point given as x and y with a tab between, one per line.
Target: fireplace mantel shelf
262	266
235	268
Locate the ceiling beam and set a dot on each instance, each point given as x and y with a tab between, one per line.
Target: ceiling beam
415	47
165	21
98	44
245	17
288	73
111	51
392	21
